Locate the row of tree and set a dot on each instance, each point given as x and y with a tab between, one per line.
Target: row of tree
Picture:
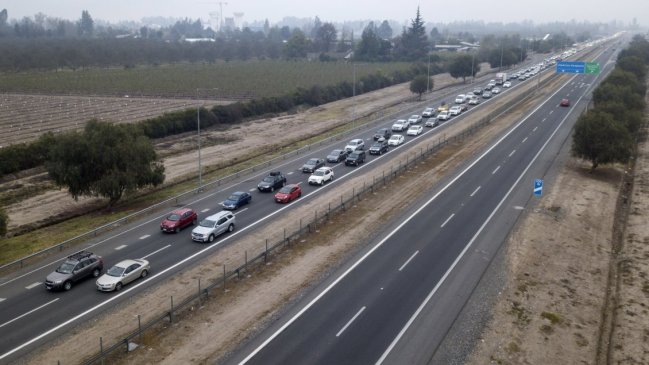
608	132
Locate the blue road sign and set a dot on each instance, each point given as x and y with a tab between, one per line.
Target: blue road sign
571	67
538	187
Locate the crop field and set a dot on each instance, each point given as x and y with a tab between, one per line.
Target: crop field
230	80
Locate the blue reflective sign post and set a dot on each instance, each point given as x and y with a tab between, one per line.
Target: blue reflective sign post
538	187
571	67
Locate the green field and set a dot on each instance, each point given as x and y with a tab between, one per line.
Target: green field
239	79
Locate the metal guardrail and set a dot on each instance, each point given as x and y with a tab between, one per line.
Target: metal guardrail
126	344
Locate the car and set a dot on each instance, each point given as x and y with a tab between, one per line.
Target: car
396	140
443	107
288	193
507	84
123	273
489	87
384	133
495	90
355	158
414	119
379	147
213	226
237	199
75	268
565	102
274	180
313	164
463	107
321	176
460	99
178	219
455	110
428	113
486	95
431	123
400	125
415	130
337	156
355	144
474	101
445	115
477	91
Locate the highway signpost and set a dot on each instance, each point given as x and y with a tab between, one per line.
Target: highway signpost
578	67
591	67
538	187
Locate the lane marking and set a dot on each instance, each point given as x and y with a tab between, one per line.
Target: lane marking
290	173
350	322
512	153
552	111
240	211
408	261
2	299
32	286
543	120
120	247
496	170
28	313
145	236
475	191
447	220
524	139
205	210
535	128
155	252
253	189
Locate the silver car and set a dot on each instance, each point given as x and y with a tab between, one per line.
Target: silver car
211	227
123	273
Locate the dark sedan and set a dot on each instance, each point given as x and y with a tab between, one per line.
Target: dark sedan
337	156
236	200
313	164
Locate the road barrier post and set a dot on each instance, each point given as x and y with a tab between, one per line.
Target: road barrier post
224	278
171	312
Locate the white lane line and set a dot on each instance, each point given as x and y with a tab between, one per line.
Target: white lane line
2	299
120	247
290	173
496	170
205	210
28	313
447	220
241	211
145	236
253	189
535	128
408	261
543	120
512	153
552	111
350	322
475	191
156	251
524	139
32	286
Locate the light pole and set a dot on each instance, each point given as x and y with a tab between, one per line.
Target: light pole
354	94
428	75
472	67
198	127
502	48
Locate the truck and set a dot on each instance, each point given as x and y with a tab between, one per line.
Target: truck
501	77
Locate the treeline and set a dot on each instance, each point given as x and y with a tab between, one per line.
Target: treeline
24	156
608	132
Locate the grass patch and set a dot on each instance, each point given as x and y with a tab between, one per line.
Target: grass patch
521	314
554	318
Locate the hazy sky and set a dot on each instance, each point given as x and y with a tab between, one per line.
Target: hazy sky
539	11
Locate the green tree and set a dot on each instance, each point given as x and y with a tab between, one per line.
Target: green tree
599	139
384	31
413	45
634	65
104	160
297	46
462	66
325	37
419	84
86	24
4	222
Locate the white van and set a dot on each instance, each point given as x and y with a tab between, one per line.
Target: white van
460	99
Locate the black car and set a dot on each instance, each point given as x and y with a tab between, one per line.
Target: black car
384	133
75	268
274	180
313	164
355	158
337	156
379	147
236	200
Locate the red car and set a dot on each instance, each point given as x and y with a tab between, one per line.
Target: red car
565	102
179	219
288	193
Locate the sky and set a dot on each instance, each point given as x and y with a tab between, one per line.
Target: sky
539	11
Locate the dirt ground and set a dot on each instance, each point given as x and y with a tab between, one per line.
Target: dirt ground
208	332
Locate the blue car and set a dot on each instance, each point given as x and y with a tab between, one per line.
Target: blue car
236	200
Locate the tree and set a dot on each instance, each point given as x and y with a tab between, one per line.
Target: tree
599	139
634	65
413	44
297	45
419	84
86	24
384	31
104	160
4	222
462	66
3	17
325	37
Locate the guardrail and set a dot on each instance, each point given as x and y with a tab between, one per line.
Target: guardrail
176	310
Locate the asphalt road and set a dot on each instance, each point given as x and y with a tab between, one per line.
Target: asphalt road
395	302
31	315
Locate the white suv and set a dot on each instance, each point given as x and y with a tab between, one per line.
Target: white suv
211	227
321	176
400	125
355	144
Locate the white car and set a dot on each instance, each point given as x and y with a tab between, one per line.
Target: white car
321	176
445	115
400	125
211	227
415	130
495	90
396	140
474	101
123	273
428	113
455	110
507	84
460	99
355	144
414	119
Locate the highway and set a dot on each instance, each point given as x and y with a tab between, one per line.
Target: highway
31	315
391	292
